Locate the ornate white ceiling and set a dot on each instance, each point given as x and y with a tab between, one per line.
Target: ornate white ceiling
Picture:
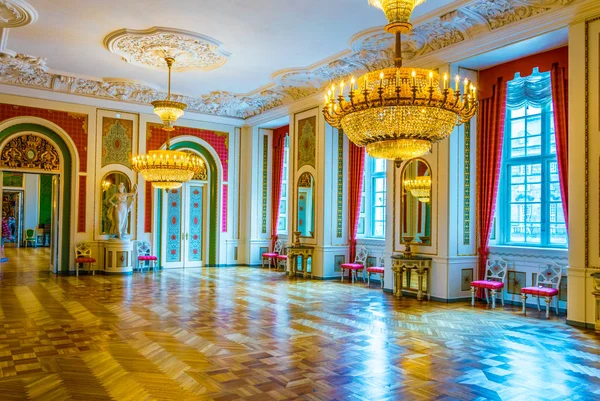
16	13
369	49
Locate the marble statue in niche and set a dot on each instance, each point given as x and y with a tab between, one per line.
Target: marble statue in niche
120	204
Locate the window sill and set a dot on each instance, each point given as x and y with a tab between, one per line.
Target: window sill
528	251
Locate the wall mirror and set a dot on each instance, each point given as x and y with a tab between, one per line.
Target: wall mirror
108	187
416	202
306	205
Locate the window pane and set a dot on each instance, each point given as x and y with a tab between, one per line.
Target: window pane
379	184
534	125
517	128
533	213
517	232
379	165
518	112
558	234
379	229
380	199
517	213
517	193
534	193
533	233
534	145
533	110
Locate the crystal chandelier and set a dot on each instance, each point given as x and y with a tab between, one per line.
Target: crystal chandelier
168	169
398	113
419	187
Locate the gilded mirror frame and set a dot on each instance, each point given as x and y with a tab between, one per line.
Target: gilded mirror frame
306	180
403	193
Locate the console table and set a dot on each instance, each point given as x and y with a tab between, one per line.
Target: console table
304	252
421	265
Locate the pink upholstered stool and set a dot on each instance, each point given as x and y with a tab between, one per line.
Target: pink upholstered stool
380	269
548	281
494	282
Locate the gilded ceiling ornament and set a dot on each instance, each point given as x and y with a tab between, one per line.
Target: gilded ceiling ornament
16	13
305	180
148	48
30	151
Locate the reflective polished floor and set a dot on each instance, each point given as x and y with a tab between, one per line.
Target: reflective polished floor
250	334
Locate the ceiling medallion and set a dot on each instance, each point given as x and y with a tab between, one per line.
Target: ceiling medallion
16	13
148	48
398	113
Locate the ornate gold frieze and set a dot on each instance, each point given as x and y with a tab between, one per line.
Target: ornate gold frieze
30	151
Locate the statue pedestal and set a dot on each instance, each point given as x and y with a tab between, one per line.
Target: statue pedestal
118	256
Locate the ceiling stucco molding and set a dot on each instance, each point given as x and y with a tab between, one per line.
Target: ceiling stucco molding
148	48
369	50
16	13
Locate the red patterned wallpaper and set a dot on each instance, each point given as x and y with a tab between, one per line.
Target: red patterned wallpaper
225	204
156	137
75	124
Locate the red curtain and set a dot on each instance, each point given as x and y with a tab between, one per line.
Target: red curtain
278	147
560	100
356	165
490	134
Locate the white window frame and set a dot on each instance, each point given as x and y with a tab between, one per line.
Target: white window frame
368	200
283	212
503	209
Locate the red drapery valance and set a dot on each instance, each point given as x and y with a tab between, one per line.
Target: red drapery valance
278	147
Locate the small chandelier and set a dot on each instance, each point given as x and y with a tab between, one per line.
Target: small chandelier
419	187
168	169
399	113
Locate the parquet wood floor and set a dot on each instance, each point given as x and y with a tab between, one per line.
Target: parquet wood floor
249	334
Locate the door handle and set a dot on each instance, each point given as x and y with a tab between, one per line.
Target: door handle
187	236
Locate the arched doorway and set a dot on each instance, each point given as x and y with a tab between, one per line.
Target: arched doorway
63	182
211	196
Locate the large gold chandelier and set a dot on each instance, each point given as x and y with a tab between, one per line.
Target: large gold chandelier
168	169
398	113
419	187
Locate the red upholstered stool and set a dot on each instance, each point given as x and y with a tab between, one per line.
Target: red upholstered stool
144	256
358	265
548	281
376	270
272	256
83	255
494	282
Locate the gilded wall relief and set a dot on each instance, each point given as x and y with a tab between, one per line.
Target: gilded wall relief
307	142
30	151
340	185
117	137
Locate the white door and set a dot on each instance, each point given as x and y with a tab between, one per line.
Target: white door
184	226
55	229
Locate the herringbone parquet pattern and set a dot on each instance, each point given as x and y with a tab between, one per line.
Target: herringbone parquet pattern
249	334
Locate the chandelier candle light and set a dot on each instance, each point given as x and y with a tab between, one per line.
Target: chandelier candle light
398	113
168	169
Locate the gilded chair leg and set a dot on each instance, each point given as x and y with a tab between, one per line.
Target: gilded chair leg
548	300
487	298
472	296
381	281
557	306
502	296
368	280
524	303
342	278
493	299
538	302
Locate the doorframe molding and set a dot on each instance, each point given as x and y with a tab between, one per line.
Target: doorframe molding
14	127
214	201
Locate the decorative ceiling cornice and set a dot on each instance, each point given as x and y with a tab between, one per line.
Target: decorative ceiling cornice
369	50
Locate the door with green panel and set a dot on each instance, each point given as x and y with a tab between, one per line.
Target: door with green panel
184	226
